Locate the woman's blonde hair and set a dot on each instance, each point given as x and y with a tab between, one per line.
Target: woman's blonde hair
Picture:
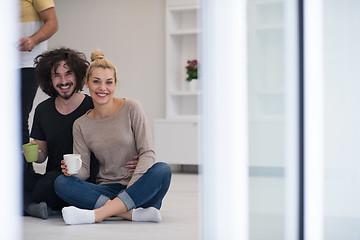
98	61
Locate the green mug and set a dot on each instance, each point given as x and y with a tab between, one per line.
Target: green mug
31	152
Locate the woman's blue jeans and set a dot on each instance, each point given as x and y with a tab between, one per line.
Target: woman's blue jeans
147	191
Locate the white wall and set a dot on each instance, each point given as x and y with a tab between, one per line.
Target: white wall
130	33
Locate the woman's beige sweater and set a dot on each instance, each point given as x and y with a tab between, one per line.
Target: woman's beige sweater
114	141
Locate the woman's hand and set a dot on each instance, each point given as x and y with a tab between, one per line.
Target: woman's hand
131	165
64	168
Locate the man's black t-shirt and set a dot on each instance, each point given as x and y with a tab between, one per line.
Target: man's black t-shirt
56	129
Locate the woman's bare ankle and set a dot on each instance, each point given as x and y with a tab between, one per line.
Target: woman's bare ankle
98	216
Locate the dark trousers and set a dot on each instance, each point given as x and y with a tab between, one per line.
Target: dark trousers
40	188
28	91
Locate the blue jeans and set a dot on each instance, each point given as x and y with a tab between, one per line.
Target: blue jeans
147	191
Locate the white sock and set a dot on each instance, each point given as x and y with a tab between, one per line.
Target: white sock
74	215
150	214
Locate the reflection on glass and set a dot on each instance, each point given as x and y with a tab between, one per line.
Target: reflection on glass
341	124
266	118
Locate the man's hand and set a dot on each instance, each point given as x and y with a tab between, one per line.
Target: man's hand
42	150
131	165
26	44
49	28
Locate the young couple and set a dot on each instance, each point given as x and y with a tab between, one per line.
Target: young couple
115	130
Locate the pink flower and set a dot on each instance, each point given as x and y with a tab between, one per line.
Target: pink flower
191	69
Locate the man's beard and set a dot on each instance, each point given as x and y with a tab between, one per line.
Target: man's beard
66	95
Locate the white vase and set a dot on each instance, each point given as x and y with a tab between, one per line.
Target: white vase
193	85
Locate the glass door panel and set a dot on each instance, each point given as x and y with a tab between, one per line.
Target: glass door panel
269	97
341	119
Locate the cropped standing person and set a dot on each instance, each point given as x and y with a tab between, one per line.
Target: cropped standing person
114	130
38	24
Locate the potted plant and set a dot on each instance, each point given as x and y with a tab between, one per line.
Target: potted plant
191	70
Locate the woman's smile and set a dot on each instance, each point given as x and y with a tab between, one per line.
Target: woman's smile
102	94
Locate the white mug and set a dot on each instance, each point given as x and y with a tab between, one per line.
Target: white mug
73	163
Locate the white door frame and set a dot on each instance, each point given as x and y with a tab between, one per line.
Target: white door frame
11	174
224	128
314	120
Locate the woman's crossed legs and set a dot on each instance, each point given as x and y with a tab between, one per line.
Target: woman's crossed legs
113	199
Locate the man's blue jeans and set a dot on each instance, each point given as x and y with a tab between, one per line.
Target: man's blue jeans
147	191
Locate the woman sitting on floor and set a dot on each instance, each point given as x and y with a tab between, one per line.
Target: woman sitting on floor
115	130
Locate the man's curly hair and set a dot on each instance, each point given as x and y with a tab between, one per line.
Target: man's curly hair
51	60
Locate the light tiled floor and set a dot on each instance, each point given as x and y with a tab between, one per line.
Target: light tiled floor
180	212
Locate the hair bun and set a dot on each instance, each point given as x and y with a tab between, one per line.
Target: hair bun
97	54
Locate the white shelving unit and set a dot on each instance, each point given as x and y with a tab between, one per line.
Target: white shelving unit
176	136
